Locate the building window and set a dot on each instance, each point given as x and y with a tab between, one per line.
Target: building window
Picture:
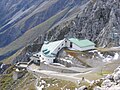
70	44
58	48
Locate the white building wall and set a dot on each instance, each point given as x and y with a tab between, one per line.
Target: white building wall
74	46
46	59
59	47
67	44
88	48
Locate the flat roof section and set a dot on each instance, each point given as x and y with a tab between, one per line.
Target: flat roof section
81	43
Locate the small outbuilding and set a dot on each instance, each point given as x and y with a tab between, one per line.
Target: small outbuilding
81	45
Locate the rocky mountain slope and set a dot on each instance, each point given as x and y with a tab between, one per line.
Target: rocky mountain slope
109	82
22	21
26	24
97	20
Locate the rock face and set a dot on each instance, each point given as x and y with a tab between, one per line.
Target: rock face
99	21
3	67
83	88
111	82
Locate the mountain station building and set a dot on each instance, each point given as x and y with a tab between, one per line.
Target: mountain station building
50	50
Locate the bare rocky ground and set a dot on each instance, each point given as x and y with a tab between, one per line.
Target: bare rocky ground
109	82
90	66
69	81
93	76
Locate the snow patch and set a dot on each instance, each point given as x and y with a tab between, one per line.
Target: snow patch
116	56
58	64
48	85
108	59
2	65
41	87
43	82
101	55
69	61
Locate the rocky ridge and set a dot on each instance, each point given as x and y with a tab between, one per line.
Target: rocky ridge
98	21
109	82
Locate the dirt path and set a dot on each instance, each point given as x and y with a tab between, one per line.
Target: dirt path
54	74
64	76
108	49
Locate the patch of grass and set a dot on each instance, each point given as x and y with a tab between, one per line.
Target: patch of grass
91	76
91	87
103	73
5	81
76	55
60	84
24	83
83	83
31	87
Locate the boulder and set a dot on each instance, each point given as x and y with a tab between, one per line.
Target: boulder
97	88
117	77
110	77
107	83
117	69
83	88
